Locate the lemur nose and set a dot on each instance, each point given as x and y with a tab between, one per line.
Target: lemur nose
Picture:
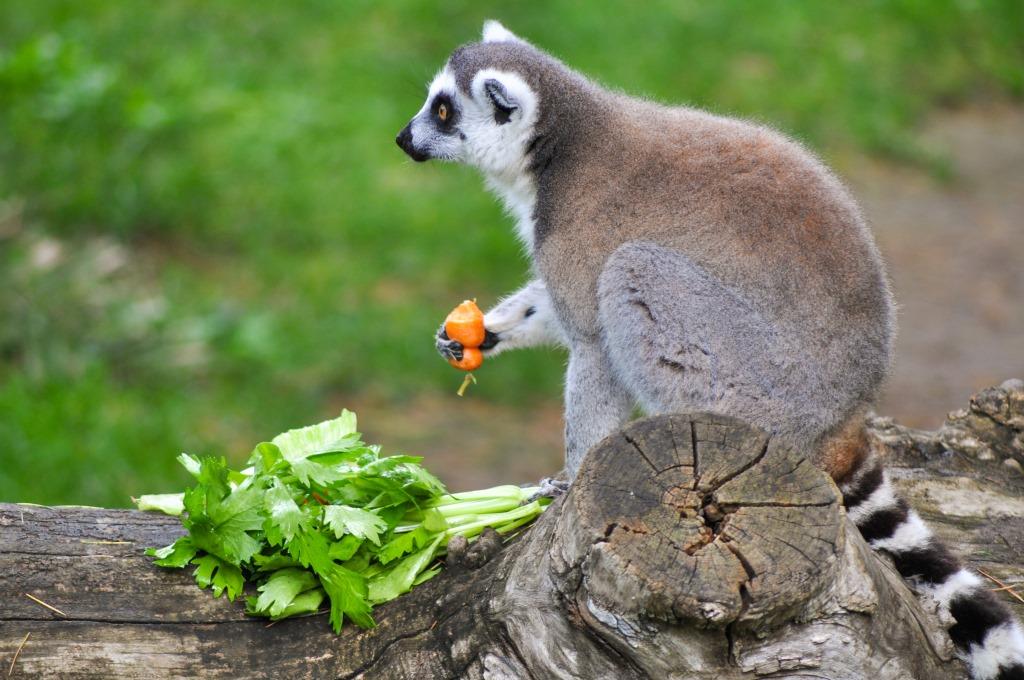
404	138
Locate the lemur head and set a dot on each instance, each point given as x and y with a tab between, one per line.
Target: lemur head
487	106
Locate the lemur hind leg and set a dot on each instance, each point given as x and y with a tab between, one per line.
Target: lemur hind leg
596	403
681	340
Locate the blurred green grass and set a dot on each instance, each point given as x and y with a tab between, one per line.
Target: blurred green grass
207	234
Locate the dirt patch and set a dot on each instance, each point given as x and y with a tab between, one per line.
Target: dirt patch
468	442
955	252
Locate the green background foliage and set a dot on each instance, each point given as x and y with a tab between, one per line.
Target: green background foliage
207	234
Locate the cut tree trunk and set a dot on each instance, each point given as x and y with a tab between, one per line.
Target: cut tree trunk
688	547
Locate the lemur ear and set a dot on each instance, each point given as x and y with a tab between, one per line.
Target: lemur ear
495	32
504	104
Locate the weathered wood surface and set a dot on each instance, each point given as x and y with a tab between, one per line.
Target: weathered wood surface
689	547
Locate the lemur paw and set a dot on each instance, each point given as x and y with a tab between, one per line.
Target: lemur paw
446	347
452	349
550	488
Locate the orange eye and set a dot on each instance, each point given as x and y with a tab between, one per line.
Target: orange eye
442	112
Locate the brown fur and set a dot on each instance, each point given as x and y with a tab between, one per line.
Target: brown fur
844	451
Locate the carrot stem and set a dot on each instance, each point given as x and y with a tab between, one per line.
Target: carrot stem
465	383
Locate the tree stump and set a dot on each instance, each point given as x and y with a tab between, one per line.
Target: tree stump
701	521
690	547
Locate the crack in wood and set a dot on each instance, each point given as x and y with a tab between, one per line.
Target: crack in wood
641	452
505	636
733	507
743	468
696	459
384	650
133	622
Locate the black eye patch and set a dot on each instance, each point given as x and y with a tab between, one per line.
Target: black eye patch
443	113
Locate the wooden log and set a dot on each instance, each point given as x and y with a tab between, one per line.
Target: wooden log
689	547
701	528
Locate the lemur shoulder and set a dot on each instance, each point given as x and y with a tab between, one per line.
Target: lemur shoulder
693	262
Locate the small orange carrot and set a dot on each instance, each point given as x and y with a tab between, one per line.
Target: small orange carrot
465	324
472	358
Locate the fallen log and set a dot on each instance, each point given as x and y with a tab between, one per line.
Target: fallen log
688	547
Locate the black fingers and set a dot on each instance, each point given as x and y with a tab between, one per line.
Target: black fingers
446	347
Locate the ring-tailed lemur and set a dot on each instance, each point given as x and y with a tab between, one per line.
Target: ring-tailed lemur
692	262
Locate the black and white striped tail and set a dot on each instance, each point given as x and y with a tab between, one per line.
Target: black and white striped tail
990	640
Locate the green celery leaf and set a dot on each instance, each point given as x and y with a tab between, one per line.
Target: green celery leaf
215	572
345	548
363	563
190	463
311	549
310	472
426	575
264	456
281	589
344	519
399	578
326	437
404	543
392	514
433	520
425	482
176	554
347	591
272	562
304	603
167	503
353	454
240	478
387	492
348	493
212	487
285	515
234	518
218	518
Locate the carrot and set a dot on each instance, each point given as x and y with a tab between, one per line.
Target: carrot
471	359
465	324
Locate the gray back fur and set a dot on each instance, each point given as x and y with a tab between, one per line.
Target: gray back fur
746	252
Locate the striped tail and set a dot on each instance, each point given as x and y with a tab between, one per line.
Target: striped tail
989	639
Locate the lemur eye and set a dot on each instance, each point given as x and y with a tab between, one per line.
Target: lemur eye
442	112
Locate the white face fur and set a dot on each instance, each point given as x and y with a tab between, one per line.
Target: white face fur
488	128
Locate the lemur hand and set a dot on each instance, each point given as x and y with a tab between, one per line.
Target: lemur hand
524	319
452	349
